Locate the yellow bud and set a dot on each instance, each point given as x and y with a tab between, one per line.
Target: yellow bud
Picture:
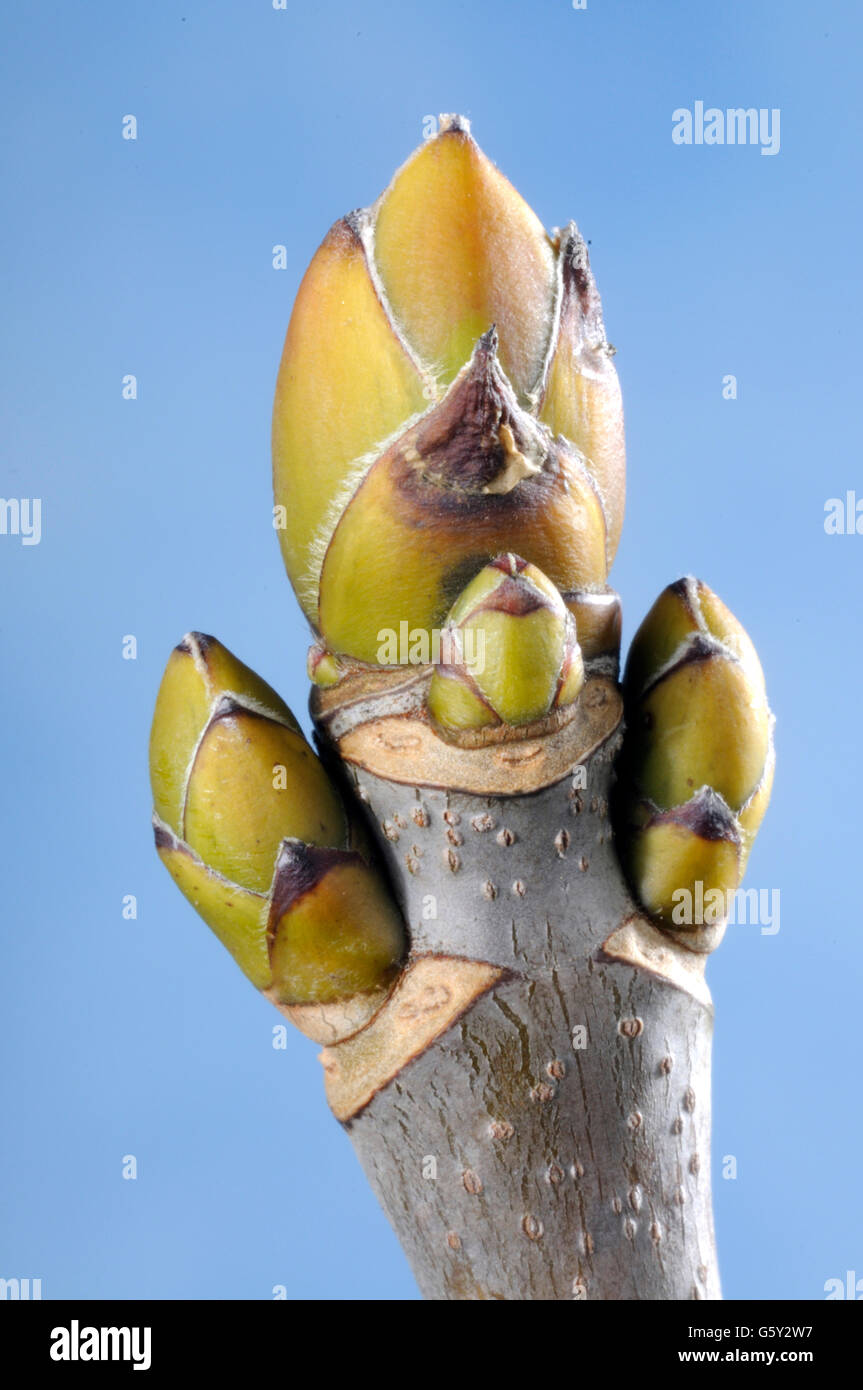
697	763
260	844
445	394
509	653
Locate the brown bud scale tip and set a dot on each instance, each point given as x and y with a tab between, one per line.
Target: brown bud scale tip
299	869
706	814
472	438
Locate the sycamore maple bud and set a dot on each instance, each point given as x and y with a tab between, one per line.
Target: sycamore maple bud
697	764
446	393
255	835
509	653
322	667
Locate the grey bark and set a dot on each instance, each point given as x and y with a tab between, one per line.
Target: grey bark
554	1141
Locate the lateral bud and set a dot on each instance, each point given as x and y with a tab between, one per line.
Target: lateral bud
255	835
697	762
509	653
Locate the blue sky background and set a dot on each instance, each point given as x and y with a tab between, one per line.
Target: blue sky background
154	257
